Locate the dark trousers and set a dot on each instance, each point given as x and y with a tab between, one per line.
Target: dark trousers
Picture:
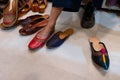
68	5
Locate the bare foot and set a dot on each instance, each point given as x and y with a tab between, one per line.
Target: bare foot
47	31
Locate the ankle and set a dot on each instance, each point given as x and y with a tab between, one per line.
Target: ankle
50	26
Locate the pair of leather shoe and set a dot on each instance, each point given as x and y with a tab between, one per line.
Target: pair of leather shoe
88	19
99	53
33	23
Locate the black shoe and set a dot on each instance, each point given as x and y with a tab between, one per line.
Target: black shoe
88	19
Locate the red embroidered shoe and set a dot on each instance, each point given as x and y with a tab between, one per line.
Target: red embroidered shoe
37	42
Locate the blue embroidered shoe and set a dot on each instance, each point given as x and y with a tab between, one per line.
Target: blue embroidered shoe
58	38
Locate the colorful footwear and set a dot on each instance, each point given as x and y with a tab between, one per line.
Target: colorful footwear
34	26
58	39
88	19
10	16
99	53
37	42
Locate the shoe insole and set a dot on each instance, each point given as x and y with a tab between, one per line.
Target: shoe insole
96	43
66	33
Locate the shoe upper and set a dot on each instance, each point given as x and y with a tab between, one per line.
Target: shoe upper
101	57
55	41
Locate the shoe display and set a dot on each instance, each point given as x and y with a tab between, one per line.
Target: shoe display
34	26
88	19
58	39
99	53
10	16
37	42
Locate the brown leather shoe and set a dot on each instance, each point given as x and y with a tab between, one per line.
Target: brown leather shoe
34	26
35	5
42	7
10	16
26	7
38	6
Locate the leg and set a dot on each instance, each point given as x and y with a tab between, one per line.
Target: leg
55	12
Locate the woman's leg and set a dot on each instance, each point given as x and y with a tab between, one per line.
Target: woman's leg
55	12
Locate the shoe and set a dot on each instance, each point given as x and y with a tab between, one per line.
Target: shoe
38	6
34	26
58	39
88	19
99	53
30	19
37	42
10	16
25	7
